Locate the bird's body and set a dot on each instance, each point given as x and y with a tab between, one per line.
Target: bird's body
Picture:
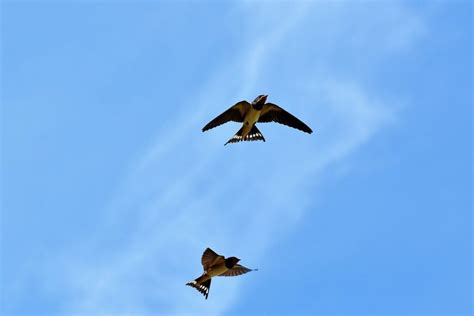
251	117
216	265
217	270
251	113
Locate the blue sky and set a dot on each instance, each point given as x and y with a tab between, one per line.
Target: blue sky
110	191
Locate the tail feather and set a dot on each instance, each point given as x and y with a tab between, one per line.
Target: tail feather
253	135
202	287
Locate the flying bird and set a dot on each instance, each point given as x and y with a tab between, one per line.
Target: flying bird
256	112
216	265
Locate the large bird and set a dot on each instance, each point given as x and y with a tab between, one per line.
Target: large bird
216	265
251	113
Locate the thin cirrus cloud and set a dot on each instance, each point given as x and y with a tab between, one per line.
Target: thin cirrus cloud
189	192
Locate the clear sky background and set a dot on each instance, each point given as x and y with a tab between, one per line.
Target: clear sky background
111	192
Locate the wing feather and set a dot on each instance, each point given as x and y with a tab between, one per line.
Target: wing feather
235	113
273	113
236	270
210	258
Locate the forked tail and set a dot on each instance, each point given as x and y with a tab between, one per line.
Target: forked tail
253	135
201	286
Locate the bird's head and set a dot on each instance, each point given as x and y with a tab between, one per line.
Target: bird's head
259	101
231	262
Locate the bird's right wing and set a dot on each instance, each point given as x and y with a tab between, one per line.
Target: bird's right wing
234	113
273	113
236	270
210	258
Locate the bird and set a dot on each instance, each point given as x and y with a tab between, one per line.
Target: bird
216	265
256	112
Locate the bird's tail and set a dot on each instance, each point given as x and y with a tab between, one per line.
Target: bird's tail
254	134
202	284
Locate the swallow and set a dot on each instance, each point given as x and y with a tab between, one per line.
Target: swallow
216	265
250	113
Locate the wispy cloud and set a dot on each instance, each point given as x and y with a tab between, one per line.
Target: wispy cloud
189	192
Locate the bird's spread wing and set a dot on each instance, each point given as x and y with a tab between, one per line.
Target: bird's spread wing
236	270
210	258
235	113
273	113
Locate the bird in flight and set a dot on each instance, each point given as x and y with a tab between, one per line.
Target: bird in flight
256	112
216	265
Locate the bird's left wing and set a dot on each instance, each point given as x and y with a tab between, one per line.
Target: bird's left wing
210	258
234	113
236	270
273	113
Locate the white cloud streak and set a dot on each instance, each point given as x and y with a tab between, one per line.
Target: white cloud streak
189	192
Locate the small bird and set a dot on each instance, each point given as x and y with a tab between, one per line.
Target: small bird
251	113
216	265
